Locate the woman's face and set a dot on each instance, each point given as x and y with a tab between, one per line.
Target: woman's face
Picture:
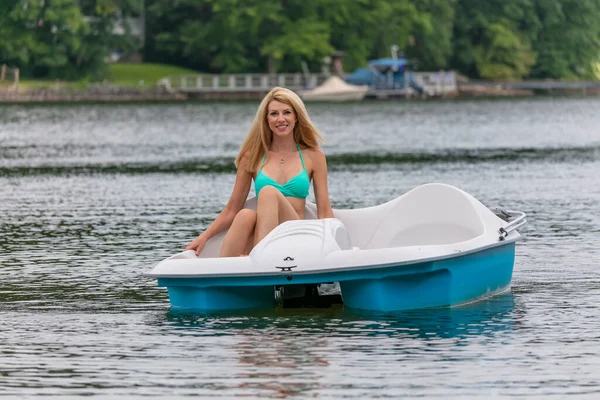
281	118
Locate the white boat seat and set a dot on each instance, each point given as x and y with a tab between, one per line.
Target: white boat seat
429	215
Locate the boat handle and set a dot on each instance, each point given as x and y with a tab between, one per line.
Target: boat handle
514	224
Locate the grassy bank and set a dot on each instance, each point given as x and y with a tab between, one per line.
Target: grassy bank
133	74
142	75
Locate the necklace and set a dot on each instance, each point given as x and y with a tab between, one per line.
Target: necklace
282	158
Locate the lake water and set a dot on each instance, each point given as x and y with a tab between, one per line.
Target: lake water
92	196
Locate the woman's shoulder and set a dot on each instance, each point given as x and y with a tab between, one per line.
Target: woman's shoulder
243	158
314	154
312	151
244	162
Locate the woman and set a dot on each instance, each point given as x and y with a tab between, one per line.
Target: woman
281	153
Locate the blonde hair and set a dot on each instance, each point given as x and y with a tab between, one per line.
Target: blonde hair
259	139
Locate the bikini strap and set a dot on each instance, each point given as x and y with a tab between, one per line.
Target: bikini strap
263	162
301	158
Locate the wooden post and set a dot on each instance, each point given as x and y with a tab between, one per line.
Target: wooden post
443	88
297	84
3	72
264	82
16	84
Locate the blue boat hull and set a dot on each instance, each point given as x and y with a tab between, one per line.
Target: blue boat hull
439	283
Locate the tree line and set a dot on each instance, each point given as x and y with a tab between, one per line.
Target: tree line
491	39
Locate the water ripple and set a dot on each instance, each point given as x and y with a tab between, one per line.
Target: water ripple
335	161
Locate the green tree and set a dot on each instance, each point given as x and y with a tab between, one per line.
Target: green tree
491	38
366	29
503	53
14	36
54	39
568	41
163	24
106	18
237	35
50	32
431	45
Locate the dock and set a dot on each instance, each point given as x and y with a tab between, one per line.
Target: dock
256	86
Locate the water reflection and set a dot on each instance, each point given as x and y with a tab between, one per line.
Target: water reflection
485	317
286	352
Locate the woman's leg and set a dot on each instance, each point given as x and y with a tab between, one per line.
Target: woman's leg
272	209
238	240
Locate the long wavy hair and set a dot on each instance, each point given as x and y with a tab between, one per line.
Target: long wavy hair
259	139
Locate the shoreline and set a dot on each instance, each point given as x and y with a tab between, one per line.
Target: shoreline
84	96
115	95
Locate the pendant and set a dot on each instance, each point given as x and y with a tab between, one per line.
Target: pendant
282	161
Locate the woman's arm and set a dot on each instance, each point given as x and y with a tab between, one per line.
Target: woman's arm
241	188
320	184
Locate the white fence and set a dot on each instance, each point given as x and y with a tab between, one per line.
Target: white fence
434	83
437	83
241	82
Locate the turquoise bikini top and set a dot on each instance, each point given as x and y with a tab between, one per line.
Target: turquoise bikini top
296	187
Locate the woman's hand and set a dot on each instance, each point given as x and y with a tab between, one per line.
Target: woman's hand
196	244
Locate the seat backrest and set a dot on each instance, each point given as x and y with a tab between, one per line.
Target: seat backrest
431	214
361	223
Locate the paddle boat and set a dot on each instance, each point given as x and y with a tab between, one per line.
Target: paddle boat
434	246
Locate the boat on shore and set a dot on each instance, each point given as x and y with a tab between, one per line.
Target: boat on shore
335	89
434	246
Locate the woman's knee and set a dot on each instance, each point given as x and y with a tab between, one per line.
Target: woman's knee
269	196
245	217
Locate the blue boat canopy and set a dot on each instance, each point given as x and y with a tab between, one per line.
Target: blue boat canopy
362	76
385	74
389	62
